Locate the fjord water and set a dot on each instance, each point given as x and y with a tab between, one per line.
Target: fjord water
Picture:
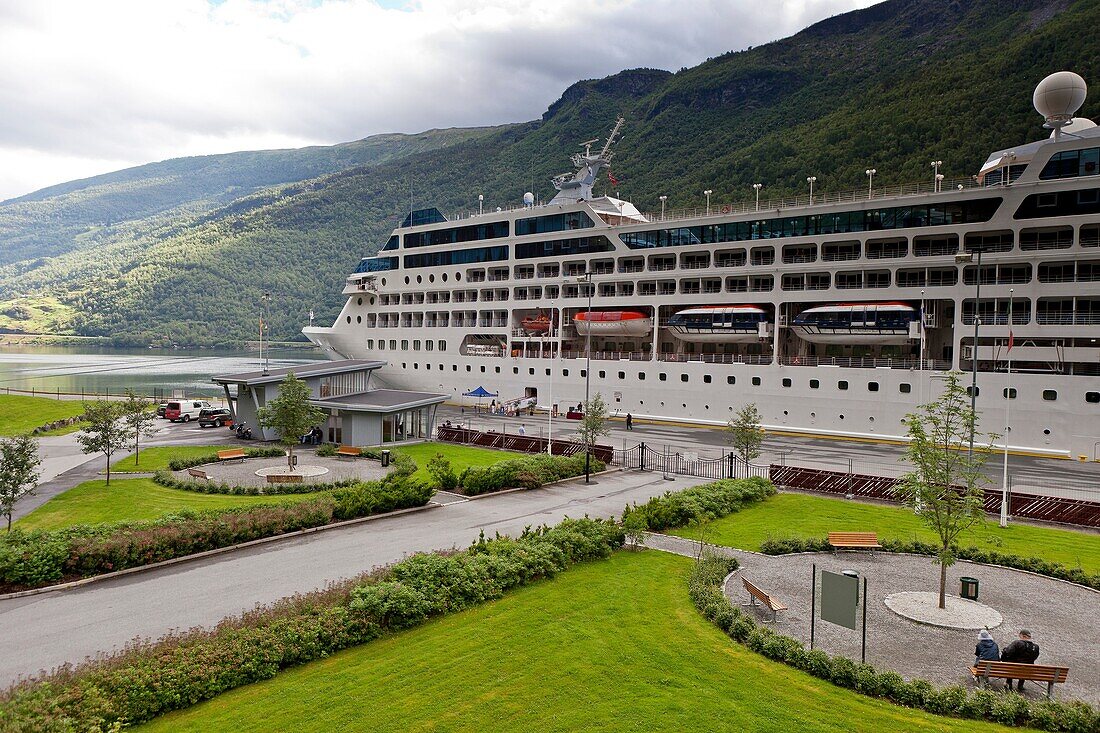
158	372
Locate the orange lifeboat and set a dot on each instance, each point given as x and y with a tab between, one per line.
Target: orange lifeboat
613	323
538	325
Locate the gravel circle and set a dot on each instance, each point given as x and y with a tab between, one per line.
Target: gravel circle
957	613
1061	616
243	473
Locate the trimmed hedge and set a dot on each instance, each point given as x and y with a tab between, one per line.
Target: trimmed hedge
528	472
151	678
705	589
700	503
43	557
786	546
199	486
182	464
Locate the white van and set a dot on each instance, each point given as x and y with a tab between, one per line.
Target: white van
185	410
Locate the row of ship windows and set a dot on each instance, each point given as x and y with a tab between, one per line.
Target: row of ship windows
1049	395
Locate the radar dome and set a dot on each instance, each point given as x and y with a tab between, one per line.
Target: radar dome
528	199
1077	124
1059	96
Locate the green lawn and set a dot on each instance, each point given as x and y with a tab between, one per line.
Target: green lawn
21	414
93	502
157	458
798	515
607	646
461	456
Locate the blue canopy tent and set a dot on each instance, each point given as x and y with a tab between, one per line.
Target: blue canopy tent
479	393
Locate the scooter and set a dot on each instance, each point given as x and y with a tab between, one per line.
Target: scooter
243	431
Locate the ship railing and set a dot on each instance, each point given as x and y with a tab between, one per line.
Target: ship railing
717	358
1001	319
608	355
865	362
820	198
1063	319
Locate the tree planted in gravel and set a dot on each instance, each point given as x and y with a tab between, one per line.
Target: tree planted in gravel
290	415
593	427
105	430
139	419
19	464
744	433
946	487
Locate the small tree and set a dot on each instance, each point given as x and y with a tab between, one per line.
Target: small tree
105	431
440	469
18	471
744	433
593	427
140	421
945	487
290	415
635	527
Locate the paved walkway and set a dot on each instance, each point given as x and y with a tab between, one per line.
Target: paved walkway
67	626
1061	616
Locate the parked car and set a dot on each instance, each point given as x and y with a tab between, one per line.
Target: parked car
161	409
185	410
216	417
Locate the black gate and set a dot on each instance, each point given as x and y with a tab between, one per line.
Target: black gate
645	458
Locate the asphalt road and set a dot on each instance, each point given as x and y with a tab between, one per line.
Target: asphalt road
51	629
1030	474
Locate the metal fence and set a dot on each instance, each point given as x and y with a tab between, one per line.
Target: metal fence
645	458
516	442
159	394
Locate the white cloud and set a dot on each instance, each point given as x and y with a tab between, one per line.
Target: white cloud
92	86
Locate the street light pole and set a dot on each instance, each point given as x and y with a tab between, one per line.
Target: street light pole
870	173
707	193
758	186
936	177
550	407
663	200
1008	402
810	181
263	325
963	258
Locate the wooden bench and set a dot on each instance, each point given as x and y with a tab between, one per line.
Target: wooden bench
1014	671
233	454
348	451
756	594
854	541
284	478
198	473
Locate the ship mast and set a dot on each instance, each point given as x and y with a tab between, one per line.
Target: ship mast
577	186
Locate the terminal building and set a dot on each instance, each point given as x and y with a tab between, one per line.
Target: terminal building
358	413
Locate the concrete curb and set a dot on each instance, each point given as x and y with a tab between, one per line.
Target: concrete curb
213	553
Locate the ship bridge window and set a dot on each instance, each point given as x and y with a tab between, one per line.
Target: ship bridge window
457	256
393	243
377	264
1062	203
455	235
1072	164
554	223
420	217
564	247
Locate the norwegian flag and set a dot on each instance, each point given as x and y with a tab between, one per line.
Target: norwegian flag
611	178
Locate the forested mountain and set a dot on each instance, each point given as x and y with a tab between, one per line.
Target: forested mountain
892	87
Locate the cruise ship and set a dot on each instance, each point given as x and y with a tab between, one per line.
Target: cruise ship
835	314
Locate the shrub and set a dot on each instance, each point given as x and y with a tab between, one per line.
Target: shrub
529	472
706	594
169	480
182	464
440	469
151	678
31	559
700	503
326	450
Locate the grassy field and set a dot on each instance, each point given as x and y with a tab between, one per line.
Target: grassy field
93	502
798	515
461	456
157	458
608	646
21	414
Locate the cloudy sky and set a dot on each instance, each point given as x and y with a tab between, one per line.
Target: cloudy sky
90	86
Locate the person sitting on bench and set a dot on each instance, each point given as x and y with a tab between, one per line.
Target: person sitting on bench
986	650
1021	651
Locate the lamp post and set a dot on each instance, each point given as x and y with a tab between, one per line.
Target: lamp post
936	177
550	410
758	186
1008	402
587	278
663	200
810	181
960	259
480	204
707	193
870	173
263	326
939	182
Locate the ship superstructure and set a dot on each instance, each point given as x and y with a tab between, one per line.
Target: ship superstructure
834	314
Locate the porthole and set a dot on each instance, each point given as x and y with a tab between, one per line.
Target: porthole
359	301
905	388
786	381
406	279
547	372
372	300
662	376
872	418
531	372
684	405
515	370
419	279
784	412
349	319
813	414
683	377
1050	395
383	281
872	386
1009	393
468	368
603	374
815	383
359	319
731	380
841	417
622	375
1046	432
842	385
431	278
458	276
973	391
482	370
1091	397
706	407
662	403
756	381
706	379
444	276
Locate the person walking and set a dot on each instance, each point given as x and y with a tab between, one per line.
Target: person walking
1021	651
629	421
986	649
522	430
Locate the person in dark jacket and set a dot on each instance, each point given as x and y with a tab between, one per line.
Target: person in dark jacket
629	421
986	650
1021	651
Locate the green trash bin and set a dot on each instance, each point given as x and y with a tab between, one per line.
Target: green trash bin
968	588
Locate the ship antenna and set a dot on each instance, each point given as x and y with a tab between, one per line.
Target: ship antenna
1057	98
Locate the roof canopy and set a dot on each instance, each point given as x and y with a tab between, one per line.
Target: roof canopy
302	371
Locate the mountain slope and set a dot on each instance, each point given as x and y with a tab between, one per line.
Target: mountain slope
892	87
